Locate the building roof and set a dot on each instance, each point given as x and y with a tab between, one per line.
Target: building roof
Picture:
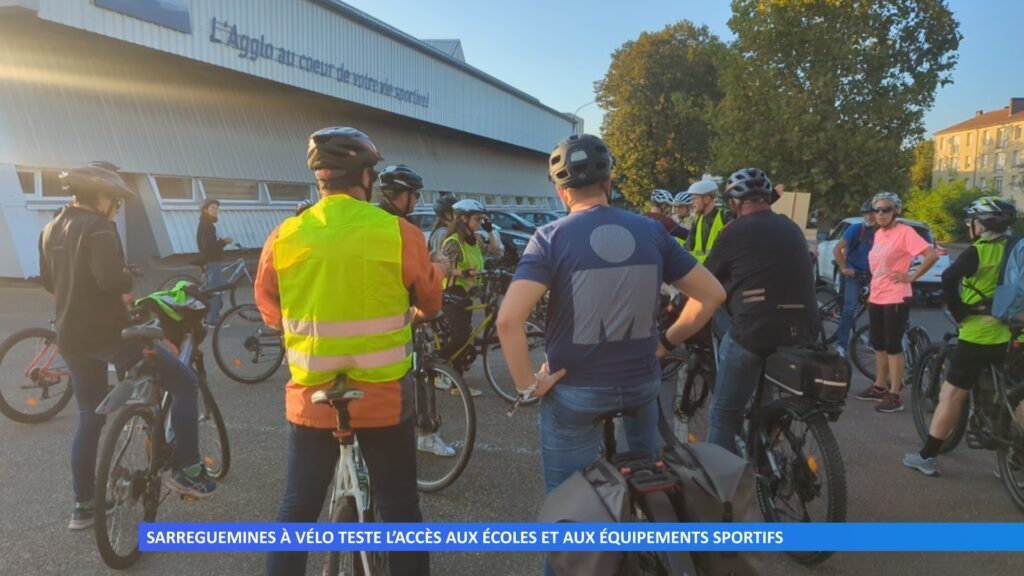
452	48
986	119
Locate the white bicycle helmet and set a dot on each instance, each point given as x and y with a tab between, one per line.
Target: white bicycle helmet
703	188
683	199
660	196
468	207
889	197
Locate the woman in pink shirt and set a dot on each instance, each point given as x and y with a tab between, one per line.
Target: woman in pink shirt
896	244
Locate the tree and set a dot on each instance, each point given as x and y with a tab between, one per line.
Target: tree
828	95
658	96
924	161
942	208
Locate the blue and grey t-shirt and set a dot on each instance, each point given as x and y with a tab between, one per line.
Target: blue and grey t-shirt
604	268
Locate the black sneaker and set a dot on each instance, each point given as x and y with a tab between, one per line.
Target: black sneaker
890	404
202	486
871	394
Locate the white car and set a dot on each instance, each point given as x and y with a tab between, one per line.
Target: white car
928	285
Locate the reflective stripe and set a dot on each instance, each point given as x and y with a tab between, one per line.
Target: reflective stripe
362	361
346	329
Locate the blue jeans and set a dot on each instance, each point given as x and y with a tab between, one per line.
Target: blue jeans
851	299
390	455
214	276
89	380
572	434
739	371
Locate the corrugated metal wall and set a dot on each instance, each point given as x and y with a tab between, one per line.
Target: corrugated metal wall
458	100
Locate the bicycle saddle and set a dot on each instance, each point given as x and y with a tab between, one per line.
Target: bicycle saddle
336	395
148	332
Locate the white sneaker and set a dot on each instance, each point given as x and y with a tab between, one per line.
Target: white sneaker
472	392
841	351
442	384
434	444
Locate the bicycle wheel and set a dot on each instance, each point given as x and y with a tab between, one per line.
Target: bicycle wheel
246	349
496	368
128	480
926	383
447	408
685	399
173	281
350	563
1010	455
861	354
214	449
916	342
830	309
35	384
810	482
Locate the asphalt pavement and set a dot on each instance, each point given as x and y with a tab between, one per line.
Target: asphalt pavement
501	484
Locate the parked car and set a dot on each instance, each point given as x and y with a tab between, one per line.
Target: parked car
928	286
513	221
539	218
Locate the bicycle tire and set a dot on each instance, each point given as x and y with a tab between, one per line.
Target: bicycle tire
462	456
695	385
217	462
917	342
349	563
253	344
7	404
247	288
835	472
173	281
861	355
1010	455
145	483
496	374
829	312
926	383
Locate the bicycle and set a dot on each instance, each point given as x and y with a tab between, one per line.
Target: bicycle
790	477
242	342
453	414
352	497
830	310
234	273
129	474
862	354
988	419
483	341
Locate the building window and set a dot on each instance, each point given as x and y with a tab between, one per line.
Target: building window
986	138
1000	161
954	144
967	162
954	163
1001	137
28	183
970	138
51	185
997	184
942	142
217	189
1016	158
286	192
1016	133
171	188
1016	182
984	160
982	182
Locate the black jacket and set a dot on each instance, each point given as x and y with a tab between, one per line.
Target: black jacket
211	248
82	264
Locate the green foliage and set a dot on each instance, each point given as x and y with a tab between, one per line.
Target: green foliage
924	160
658	96
942	208
826	96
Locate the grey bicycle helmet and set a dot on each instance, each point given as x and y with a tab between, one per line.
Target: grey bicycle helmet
747	183
683	199
660	196
93	179
336	151
580	160
888	197
468	207
400	178
992	211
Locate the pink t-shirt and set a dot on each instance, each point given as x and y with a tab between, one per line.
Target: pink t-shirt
892	252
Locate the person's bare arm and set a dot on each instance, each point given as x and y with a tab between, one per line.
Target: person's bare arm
705	294
519	302
840	253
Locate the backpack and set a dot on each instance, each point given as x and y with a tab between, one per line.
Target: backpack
717	486
1008	300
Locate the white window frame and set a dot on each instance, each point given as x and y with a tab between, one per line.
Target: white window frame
997	184
1000	161
173	201
265	188
261	193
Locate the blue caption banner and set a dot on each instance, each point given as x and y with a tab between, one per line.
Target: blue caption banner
533	537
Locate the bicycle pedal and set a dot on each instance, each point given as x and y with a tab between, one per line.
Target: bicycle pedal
188	498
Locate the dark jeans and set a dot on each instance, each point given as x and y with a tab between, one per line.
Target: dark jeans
390	455
739	372
89	380
851	299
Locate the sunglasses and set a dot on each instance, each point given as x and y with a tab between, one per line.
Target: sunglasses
884	210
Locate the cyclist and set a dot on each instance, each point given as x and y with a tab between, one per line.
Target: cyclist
603	268
708	219
211	251
771	304
661	212
400	187
682	203
464	253
896	244
968	286
81	263
339	280
851	253
445	215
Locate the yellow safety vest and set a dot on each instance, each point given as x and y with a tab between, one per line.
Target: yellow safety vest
344	305
700	248
472	259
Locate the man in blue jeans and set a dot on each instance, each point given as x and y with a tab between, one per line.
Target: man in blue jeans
211	251
81	263
603	268
851	253
771	303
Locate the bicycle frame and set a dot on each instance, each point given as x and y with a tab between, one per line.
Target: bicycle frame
347	484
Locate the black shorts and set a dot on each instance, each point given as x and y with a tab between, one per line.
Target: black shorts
888	322
969	360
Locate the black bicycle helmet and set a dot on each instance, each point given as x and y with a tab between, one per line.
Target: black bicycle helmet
340	149
993	211
747	183
444	204
400	178
93	179
580	160
866	207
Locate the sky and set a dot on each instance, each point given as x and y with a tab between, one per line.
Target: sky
555	51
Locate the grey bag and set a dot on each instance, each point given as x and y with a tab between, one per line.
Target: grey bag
717	486
598	494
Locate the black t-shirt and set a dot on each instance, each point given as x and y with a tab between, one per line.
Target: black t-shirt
762	261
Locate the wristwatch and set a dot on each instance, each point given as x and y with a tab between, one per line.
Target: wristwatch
529	389
663	336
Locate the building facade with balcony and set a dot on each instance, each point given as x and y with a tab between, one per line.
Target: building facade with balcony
986	152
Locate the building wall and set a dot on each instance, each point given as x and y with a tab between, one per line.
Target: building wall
973	156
